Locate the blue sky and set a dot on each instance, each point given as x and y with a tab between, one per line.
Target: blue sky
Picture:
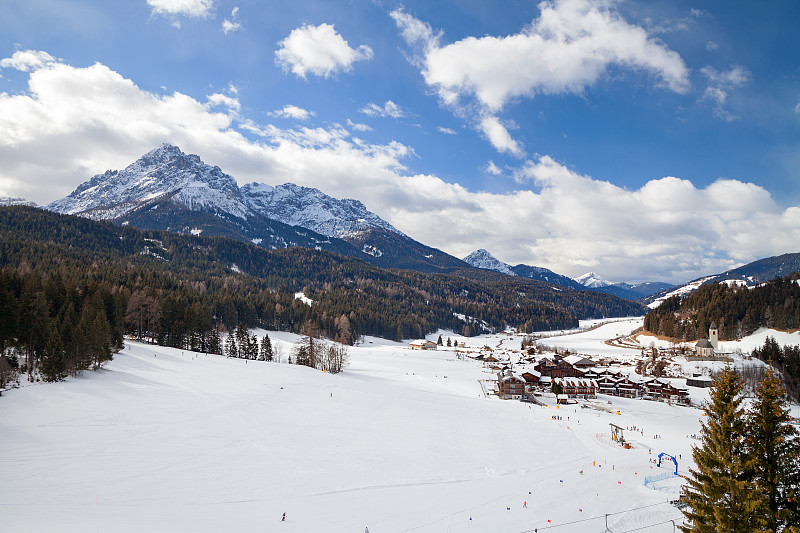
642	140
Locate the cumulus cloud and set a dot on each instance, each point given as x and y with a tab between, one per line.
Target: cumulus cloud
220	99
318	50
498	135
27	60
232	24
567	49
189	8
493	169
355	126
389	109
720	84
293	111
447	131
74	122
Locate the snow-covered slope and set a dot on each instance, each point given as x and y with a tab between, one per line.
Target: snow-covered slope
312	209
165	172
483	259
167	440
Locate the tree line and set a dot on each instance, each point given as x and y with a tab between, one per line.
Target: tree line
229	281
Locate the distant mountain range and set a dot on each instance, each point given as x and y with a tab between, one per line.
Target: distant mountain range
750	275
170	190
591	281
167	189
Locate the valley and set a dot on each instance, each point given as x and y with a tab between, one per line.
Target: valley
402	440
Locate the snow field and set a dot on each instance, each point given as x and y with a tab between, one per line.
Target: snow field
169	440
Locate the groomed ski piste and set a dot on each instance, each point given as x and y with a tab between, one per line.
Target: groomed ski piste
162	439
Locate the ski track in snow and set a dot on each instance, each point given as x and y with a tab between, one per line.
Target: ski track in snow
169	440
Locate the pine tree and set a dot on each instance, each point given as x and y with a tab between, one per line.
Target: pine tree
54	363
230	345
266	349
719	496
439	341
242	340
774	447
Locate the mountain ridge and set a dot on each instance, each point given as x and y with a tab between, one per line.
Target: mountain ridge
170	190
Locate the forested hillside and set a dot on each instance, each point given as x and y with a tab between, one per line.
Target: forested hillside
77	271
738	311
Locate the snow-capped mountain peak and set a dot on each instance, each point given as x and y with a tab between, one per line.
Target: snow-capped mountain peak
593	281
483	259
165	172
311	208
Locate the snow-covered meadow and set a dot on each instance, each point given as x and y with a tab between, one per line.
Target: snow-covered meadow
169	440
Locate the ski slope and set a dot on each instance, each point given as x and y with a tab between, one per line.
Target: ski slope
168	440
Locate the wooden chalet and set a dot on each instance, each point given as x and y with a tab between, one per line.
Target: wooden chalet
577	387
674	394
607	384
556	368
510	386
579	362
628	387
422	344
699	381
531	378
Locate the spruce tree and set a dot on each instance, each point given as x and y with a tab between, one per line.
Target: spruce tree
266	349
54	363
230	345
718	494
774	447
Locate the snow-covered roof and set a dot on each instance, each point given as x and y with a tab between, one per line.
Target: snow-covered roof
578	360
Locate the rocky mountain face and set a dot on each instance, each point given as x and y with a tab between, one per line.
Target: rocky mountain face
483	259
163	173
170	190
311	208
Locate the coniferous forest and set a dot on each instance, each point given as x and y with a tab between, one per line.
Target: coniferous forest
72	288
738	311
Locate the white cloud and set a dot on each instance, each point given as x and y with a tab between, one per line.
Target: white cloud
720	83
189	8
567	49
448	131
711	46
72	123
499	137
293	111
389	109
219	99
493	169
233	24
27	60
318	50
358	127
